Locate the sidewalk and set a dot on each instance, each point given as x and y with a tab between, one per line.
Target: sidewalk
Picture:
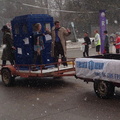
77	53
77	44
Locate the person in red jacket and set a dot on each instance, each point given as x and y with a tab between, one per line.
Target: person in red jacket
117	43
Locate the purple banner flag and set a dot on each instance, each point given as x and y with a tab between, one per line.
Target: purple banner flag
102	18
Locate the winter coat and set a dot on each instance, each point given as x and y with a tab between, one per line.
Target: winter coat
7	51
62	33
117	43
87	40
97	39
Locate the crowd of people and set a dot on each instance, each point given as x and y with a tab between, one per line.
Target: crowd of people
58	45
111	43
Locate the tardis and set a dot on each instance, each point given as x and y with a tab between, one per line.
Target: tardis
22	29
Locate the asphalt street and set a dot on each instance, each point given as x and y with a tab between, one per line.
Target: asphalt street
56	99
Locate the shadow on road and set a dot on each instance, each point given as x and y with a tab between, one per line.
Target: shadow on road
43	83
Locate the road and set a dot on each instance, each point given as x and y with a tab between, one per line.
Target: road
56	99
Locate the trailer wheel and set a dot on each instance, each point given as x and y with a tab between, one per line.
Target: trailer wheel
7	78
104	89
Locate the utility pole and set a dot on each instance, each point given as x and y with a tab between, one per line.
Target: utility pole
75	36
47	6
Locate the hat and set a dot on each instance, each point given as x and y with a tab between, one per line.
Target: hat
5	27
105	31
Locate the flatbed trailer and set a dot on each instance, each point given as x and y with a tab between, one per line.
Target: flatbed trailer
9	72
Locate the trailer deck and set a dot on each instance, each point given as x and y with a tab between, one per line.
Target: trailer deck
9	72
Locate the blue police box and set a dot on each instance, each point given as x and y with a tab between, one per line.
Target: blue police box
22	29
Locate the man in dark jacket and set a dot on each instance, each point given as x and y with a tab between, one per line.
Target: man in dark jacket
86	43
106	42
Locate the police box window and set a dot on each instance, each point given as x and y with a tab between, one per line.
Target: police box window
16	28
24	29
47	26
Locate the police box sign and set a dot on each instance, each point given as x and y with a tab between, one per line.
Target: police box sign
104	69
91	65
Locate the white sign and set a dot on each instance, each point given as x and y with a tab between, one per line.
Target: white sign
19	50
102	69
26	40
48	37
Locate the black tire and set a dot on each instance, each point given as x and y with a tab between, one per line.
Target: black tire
7	78
104	89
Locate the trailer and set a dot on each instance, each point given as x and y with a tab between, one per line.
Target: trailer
102	70
22	32
10	72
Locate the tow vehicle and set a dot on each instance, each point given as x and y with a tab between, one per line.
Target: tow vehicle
102	70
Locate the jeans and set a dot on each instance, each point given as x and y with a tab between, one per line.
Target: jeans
86	51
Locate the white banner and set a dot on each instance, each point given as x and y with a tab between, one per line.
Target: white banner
103	69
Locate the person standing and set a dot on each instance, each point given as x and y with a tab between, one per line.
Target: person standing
106	42
7	53
112	42
97	41
117	43
38	45
86	43
59	34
